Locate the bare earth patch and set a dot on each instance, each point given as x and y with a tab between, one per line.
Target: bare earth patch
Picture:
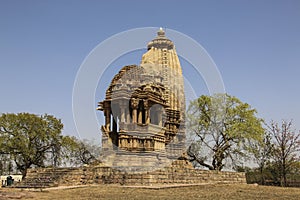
216	191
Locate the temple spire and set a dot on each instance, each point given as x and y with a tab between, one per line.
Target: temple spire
161	41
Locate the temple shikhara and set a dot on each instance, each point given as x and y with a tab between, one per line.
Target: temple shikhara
144	109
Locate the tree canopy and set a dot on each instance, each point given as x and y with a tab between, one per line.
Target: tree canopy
220	127
28	139
32	140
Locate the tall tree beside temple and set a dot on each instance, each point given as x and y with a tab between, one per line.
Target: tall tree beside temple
221	127
30	139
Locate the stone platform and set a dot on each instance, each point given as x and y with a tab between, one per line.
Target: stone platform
180	172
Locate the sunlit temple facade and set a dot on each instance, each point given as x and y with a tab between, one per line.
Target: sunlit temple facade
144	107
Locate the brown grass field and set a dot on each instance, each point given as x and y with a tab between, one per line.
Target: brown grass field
215	192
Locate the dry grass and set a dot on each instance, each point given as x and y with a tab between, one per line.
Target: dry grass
231	192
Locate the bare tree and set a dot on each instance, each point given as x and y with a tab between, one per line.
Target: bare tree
286	146
262	152
77	152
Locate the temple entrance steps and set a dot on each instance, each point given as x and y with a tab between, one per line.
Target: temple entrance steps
52	177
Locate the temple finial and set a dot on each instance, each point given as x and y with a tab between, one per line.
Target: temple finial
161	32
161	41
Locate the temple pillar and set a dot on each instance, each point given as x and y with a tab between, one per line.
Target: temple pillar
140	117
147	116
122	108
134	115
147	112
134	106
127	116
107	119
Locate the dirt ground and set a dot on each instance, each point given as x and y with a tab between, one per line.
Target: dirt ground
217	191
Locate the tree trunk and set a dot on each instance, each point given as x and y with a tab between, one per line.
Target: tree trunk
262	178
217	162
283	173
24	173
23	169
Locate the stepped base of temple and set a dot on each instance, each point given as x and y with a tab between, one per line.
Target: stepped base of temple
52	177
179	172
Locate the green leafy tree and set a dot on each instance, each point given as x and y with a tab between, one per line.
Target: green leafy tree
221	127
286	146
29	139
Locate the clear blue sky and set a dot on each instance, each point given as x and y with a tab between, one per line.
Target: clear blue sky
255	44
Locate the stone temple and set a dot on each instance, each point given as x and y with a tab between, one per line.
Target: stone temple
143	138
144	110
